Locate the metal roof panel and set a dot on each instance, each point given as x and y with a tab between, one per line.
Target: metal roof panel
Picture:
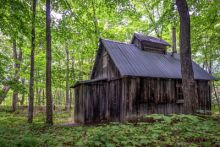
132	61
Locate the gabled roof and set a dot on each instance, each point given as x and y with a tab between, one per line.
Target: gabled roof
142	37
132	61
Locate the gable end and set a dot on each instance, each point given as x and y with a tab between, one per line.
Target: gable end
104	67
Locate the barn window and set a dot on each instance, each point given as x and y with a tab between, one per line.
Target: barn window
179	92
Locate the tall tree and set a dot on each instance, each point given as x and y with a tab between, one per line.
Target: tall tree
31	87
14	24
15	57
67	106
23	93
49	102
17	64
188	83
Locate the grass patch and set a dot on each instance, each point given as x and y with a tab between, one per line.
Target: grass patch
173	130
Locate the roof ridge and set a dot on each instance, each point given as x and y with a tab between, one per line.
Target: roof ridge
147	35
147	64
115	41
143	37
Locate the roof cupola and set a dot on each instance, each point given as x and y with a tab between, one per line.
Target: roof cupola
148	43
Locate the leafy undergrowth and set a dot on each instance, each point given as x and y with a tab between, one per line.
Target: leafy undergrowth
151	130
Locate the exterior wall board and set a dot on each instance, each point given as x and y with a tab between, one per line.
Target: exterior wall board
128	98
105	67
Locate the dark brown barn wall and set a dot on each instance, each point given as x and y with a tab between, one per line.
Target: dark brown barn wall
204	95
154	95
98	101
127	98
146	96
105	67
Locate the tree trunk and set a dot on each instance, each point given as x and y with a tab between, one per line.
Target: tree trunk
49	102
71	99
67	79
43	97
14	101
31	87
20	58
16	67
17	76
39	96
60	96
74	79
216	96
213	86
3	93
188	83
81	61
174	40
23	94
38	89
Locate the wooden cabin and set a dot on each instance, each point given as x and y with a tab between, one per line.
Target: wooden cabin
130	80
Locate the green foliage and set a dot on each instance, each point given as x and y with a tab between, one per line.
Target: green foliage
172	130
78	25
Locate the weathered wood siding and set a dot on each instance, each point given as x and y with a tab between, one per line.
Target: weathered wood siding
105	67
128	98
156	48
98	101
204	95
152	95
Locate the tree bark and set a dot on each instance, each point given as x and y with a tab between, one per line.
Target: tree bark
71	99
43	96
74	79
81	61
67	79
4	92
20	58
213	85
23	95
216	96
16	68
17	64
174	40
188	83
38	89
49	102
31	87
60	97
39	96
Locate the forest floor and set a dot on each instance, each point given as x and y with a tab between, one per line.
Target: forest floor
152	130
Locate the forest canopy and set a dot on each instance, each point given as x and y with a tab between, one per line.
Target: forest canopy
76	27
47	46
